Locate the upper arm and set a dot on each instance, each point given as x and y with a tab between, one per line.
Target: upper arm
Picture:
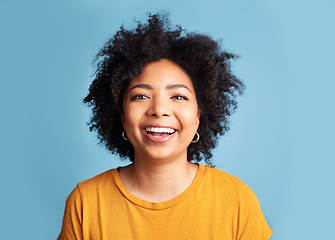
252	223
72	220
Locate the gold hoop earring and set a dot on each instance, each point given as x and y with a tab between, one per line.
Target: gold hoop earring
197	139
124	135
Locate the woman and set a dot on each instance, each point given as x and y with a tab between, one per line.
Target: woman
161	97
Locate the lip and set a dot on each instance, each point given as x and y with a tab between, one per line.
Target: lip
159	125
154	139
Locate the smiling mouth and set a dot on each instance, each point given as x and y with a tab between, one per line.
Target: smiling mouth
159	131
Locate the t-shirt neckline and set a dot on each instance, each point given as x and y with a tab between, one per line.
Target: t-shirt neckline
160	205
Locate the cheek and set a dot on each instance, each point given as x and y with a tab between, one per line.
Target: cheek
190	116
131	116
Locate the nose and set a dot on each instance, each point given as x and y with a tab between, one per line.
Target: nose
159	108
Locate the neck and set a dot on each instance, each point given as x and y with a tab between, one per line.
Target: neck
158	182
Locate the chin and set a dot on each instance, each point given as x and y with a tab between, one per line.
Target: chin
159	155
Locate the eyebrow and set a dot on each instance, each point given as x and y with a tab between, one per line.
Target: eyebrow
170	86
145	86
175	86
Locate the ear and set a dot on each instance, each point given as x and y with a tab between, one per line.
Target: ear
198	118
122	117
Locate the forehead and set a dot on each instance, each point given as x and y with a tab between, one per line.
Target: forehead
162	73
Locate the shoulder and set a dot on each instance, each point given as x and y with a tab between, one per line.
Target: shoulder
221	181
96	184
233	191
220	174
219	177
100	178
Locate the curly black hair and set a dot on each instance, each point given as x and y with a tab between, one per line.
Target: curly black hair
125	55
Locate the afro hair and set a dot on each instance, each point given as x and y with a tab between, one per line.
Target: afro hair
125	55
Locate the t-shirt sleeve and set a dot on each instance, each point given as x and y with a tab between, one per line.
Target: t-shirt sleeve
252	223
72	221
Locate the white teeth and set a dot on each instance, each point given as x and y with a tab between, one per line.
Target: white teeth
159	130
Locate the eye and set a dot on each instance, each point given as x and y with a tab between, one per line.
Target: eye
139	97
180	97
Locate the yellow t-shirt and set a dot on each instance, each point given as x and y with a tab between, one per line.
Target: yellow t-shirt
217	205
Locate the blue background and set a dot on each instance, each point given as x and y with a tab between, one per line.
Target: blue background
281	141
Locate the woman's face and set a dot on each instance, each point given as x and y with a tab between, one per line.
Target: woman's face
160	112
